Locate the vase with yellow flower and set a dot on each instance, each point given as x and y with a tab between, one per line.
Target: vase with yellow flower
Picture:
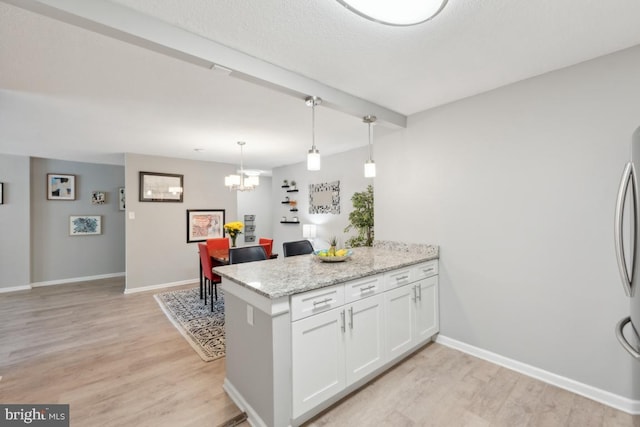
233	229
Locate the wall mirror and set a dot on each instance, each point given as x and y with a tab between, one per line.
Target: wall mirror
324	198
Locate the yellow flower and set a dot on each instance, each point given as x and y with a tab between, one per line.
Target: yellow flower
233	228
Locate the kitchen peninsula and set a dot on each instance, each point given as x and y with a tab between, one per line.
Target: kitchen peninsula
301	333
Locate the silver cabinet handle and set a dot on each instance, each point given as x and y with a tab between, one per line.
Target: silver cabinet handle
324	301
350	317
398	279
342	318
415	293
367	288
419	291
627	279
622	340
428	270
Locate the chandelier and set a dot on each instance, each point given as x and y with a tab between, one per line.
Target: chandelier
243	181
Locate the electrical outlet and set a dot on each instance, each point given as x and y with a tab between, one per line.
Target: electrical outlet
250	315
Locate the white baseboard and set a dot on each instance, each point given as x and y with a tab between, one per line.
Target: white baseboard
252	416
607	398
129	290
15	289
76	279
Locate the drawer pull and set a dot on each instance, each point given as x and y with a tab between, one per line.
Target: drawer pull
398	279
324	301
428	270
367	288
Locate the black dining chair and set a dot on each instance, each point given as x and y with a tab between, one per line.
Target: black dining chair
246	254
299	247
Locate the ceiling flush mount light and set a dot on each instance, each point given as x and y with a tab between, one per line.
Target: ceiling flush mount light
244	181
370	165
397	12
313	157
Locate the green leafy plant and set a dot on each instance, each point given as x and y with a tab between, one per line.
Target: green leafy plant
361	218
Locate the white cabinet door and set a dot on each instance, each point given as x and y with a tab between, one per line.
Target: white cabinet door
399	320
318	358
365	350
426	308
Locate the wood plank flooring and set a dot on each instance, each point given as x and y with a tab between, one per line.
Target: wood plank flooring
118	361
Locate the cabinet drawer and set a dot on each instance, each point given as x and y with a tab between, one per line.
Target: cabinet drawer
424	270
362	288
395	278
317	301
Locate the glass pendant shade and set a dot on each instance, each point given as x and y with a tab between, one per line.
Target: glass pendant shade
370	169
313	160
396	12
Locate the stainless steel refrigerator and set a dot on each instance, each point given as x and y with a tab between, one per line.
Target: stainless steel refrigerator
626	231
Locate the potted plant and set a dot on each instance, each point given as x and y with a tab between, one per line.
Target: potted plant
285	183
361	219
293	185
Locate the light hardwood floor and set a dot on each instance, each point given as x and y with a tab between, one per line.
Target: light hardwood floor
118	361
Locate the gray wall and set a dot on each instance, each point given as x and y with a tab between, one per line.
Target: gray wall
518	187
347	167
14	222
55	254
157	251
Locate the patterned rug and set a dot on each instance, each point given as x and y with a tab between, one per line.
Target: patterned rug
203	328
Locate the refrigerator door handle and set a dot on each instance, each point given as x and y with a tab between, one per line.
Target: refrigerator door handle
622	340
627	178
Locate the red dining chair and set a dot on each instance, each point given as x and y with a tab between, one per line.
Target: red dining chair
218	243
210	278
267	244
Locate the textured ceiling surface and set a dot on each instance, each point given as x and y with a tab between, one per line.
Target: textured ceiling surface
68	93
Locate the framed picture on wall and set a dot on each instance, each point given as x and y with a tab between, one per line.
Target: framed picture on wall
85	225
121	198
203	224
61	186
161	187
98	198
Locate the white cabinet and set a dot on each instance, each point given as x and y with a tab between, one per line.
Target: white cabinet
335	348
364	337
412	315
318	359
341	334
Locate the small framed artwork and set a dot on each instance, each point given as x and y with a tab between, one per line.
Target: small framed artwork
85	225
61	186
161	187
203	224
121	199
98	197
1	193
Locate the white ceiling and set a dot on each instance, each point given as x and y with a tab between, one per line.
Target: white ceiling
69	93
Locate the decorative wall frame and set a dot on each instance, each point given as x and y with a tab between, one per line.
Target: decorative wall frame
161	187
121	198
324	198
85	225
98	197
203	224
61	186
1	193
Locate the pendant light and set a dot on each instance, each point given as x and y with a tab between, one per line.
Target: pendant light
397	12
370	165
313	157
243	181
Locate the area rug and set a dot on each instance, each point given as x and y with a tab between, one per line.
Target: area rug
203	328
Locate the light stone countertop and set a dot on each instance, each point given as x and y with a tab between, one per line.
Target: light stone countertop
280	277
